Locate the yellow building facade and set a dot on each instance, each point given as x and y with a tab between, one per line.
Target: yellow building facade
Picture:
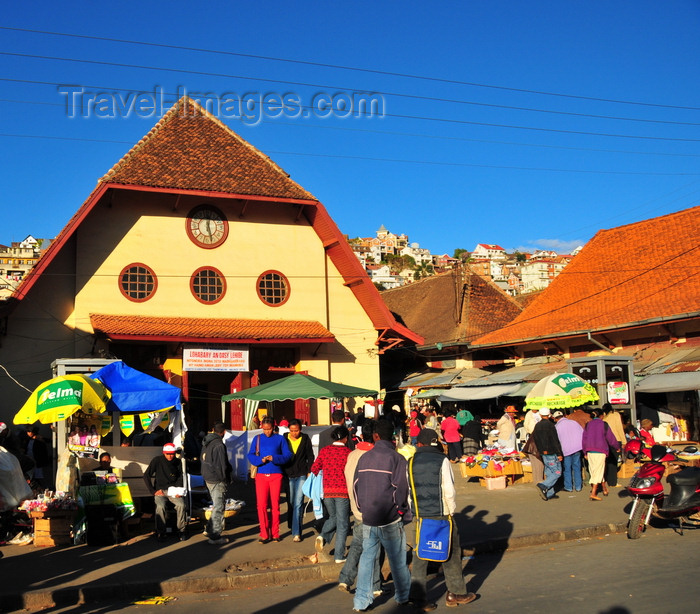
196	242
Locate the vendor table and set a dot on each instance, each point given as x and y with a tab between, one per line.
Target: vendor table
512	468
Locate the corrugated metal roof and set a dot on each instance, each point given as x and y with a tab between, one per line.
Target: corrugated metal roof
667	360
443	379
526	372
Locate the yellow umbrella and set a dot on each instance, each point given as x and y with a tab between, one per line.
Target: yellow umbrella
60	397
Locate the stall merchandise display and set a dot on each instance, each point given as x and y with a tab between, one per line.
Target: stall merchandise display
232	508
50	502
53	518
490	463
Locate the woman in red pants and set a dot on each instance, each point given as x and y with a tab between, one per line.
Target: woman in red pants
269	452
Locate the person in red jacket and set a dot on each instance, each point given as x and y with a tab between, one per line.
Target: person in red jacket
331	460
453	438
415	424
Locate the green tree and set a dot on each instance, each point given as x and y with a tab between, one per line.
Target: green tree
424	269
460	253
399	263
379	286
520	258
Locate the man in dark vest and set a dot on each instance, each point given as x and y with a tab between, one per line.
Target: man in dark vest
433	493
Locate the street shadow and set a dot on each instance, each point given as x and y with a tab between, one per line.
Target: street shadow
289	604
73	575
491	538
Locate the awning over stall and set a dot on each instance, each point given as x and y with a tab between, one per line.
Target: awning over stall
431	393
668	370
442	379
669	382
474	393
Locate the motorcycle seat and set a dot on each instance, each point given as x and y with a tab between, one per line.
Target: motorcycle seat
690	476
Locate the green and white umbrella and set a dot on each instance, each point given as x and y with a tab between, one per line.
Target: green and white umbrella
560	391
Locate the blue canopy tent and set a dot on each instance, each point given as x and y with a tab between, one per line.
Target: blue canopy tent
134	392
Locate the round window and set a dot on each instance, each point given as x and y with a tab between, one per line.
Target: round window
138	282
208	285
273	288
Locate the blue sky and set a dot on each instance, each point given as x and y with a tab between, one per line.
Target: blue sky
488	133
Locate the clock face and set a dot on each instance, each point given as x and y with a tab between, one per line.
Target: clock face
207	226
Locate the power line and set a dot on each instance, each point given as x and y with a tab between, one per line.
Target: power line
304	84
397	160
330	127
356	69
494	166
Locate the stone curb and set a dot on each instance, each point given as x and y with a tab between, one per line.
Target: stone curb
63	597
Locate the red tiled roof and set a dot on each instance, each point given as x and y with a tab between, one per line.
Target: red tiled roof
622	277
181	329
451	307
191	149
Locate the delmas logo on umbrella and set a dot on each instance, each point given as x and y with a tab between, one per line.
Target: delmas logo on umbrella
57	394
573	385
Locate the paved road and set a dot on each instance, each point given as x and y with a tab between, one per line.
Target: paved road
607	575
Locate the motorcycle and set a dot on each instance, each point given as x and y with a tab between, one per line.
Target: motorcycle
682	503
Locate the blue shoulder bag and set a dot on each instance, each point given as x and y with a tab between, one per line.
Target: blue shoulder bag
433	535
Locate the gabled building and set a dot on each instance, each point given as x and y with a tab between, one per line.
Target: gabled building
486	251
449	311
196	258
632	291
537	274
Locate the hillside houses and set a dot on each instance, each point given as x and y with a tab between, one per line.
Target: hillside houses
16	260
392	261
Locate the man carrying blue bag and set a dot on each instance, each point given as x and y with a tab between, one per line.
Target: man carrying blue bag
437	539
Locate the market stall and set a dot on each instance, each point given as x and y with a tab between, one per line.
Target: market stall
293	387
115	399
491	464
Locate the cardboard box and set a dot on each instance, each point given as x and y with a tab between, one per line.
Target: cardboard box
628	469
525	478
497	483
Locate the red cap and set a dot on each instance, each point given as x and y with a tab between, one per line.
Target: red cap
169	447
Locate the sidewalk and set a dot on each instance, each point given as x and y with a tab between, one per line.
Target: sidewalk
35	578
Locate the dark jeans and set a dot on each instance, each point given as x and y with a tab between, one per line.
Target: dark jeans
348	574
454	450
451	568
611	468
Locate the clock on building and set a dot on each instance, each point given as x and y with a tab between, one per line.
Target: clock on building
207	226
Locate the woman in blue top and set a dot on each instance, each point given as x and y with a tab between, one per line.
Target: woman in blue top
269	452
